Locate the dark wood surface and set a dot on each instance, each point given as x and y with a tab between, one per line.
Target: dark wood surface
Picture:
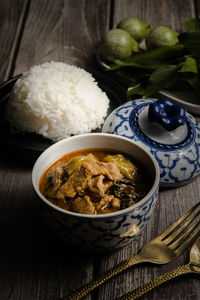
33	264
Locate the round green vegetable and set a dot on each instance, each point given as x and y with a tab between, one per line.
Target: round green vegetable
117	44
161	36
126	167
137	28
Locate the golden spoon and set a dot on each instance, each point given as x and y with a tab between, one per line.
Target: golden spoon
161	250
192	267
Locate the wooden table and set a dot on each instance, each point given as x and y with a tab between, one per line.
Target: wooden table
33	264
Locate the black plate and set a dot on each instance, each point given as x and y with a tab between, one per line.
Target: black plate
34	144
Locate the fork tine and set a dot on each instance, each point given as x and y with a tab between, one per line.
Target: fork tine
189	242
172	237
178	222
184	236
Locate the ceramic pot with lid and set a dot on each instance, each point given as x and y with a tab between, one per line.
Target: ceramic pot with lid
170	133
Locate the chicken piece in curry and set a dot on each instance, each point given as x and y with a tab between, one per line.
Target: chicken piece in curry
95	181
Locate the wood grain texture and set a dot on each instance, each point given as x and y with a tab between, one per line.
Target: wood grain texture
34	265
69	34
12	14
197	6
166	13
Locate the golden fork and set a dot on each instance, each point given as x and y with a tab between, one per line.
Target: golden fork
192	267
160	250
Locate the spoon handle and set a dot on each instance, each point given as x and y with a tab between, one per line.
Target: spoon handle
86	289
144	289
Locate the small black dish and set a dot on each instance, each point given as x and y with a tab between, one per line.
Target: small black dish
30	145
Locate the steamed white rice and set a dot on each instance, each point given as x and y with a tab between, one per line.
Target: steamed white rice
57	100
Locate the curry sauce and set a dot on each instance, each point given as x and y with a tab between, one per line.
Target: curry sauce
95	181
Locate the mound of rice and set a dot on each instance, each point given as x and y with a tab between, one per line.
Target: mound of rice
56	100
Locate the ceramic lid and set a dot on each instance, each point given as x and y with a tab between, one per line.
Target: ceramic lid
170	133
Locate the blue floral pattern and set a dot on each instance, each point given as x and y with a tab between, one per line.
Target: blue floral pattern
166	113
179	163
101	234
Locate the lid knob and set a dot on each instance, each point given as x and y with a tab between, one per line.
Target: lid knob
166	113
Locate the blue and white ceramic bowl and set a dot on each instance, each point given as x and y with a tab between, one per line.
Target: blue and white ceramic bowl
171	134
98	232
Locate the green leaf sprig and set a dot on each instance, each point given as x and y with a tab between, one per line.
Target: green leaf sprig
151	71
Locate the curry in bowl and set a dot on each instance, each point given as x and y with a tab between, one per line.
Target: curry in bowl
95	181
